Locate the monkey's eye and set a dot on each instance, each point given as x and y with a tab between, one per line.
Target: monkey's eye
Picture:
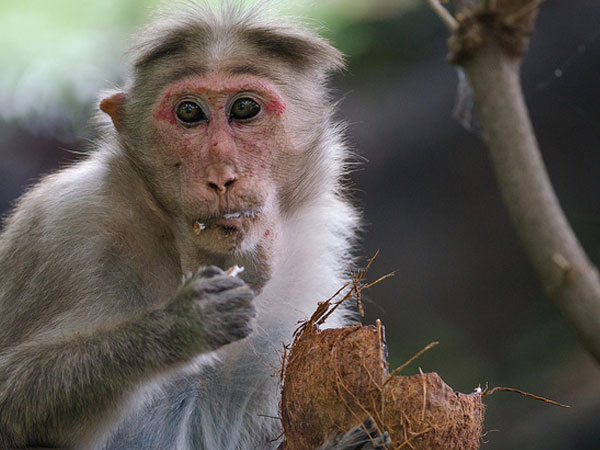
244	108
190	113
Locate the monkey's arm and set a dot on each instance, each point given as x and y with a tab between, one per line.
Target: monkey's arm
51	390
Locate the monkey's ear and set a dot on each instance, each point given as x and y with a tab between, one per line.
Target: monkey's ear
113	106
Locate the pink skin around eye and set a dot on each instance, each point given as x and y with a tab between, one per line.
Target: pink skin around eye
275	107
165	113
213	88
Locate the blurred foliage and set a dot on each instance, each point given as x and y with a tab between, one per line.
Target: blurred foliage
55	56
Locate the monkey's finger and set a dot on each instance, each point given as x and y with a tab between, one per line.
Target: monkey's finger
243	313
208	272
241	330
241	296
236	328
385	441
240	317
369	427
215	285
359	433
382	442
376	441
364	437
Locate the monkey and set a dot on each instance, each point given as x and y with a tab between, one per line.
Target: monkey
119	328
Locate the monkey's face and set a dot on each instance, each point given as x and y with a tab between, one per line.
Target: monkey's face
221	152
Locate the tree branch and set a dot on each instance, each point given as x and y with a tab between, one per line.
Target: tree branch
500	30
444	15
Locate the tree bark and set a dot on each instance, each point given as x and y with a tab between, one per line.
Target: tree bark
488	41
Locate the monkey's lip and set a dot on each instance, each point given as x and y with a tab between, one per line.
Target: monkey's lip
230	221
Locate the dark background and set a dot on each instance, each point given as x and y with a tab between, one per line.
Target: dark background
432	207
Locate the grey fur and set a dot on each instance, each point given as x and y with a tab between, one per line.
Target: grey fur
101	346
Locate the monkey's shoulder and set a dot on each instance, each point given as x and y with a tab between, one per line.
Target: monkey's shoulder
79	228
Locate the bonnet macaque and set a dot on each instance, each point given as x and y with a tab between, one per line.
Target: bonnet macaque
220	150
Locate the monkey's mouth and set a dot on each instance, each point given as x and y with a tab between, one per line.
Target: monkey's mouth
229	222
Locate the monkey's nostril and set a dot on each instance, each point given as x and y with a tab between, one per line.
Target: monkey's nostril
221	177
221	186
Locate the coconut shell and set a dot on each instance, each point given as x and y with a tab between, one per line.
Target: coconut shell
336	378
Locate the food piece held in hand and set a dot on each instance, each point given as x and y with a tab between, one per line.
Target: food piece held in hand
234	271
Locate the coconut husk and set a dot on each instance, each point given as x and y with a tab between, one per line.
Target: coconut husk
334	379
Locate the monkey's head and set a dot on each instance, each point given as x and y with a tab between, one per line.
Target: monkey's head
228	120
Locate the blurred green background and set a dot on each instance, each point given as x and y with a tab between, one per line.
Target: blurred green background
426	188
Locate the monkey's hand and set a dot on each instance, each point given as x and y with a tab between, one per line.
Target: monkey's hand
365	436
219	307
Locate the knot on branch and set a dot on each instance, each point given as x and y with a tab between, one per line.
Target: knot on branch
482	25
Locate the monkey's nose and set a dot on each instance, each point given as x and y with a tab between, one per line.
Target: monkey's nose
221	178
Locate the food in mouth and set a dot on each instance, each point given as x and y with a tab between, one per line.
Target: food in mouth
229	222
198	227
